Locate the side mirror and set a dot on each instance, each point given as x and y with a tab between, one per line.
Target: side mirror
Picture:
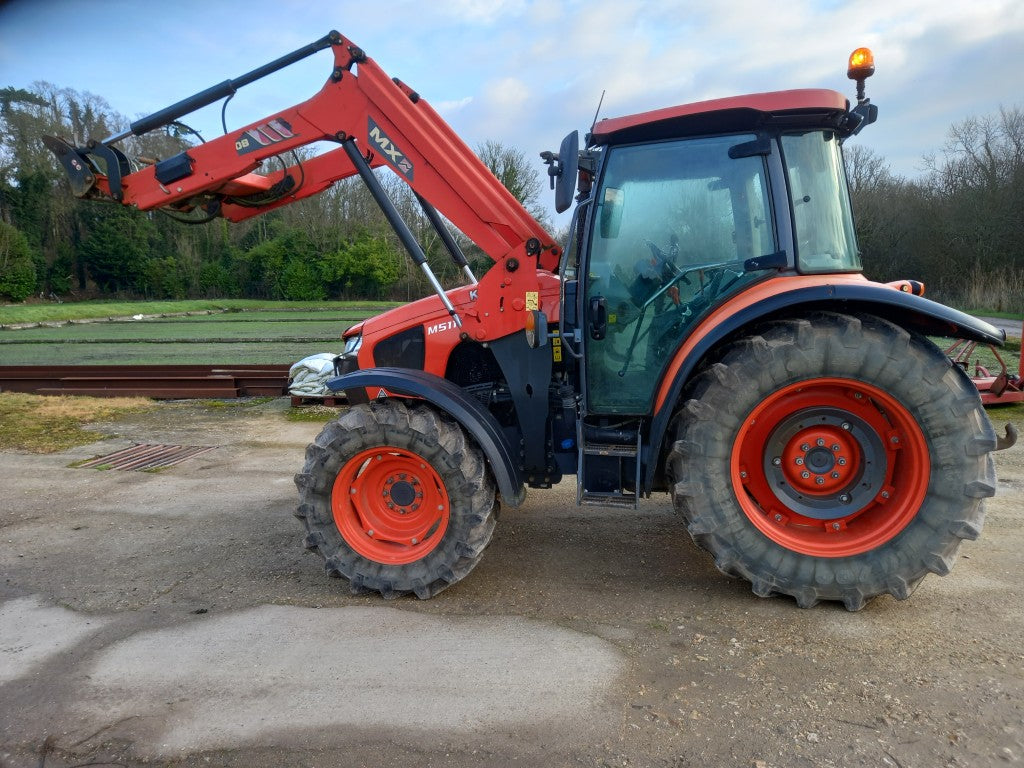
569	166
563	169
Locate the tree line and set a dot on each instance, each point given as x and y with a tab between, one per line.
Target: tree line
957	227
960	226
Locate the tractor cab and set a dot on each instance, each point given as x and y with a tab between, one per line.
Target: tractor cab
690	207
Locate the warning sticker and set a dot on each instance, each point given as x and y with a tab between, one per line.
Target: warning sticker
532	300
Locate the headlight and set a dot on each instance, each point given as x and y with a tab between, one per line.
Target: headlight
352	345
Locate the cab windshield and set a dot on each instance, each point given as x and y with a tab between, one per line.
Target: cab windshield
822	220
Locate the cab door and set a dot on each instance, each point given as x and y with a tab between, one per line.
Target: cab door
672	225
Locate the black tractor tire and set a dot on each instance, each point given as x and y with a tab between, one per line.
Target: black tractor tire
832	457
396	499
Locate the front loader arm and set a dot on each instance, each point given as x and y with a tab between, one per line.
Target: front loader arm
388	122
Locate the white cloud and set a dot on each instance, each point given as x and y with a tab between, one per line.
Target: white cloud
452	105
484	12
507	94
527	71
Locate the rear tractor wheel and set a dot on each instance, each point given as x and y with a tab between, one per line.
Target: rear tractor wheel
396	499
833	458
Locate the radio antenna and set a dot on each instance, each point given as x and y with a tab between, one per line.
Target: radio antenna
598	112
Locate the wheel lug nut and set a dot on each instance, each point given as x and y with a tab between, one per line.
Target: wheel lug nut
777	461
820	441
846	426
805	474
415	541
835	475
835	526
835	447
841	462
391	505
845	498
819	480
799	461
894	440
805	447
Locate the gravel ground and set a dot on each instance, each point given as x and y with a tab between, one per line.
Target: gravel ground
173	619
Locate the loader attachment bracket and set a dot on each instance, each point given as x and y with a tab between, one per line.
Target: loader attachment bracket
78	168
117	166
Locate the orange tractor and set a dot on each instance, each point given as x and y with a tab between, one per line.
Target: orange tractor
706	331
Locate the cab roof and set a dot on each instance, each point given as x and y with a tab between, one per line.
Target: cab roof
803	107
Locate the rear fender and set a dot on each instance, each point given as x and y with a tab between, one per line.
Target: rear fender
452	400
770	299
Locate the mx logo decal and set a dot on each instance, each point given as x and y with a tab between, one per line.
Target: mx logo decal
387	147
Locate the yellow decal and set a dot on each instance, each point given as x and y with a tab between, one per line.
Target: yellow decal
532	300
556	349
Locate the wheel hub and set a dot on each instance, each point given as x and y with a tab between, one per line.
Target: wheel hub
820	459
402	492
824	463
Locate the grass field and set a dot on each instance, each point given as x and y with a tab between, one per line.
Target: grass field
266	332
84	310
224	332
45	424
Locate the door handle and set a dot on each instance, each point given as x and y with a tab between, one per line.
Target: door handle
597	319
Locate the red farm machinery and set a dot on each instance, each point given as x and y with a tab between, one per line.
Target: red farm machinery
706	331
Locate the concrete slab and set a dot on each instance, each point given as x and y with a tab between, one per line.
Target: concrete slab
32	633
251	677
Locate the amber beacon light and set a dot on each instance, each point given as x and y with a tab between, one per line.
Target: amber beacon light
862	64
861	67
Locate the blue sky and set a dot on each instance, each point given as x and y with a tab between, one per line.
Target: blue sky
526	72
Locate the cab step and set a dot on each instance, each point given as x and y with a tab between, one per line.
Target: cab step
609	466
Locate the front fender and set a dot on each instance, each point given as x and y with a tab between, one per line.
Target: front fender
770	299
454	401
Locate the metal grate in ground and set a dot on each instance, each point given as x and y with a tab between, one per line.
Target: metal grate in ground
146	456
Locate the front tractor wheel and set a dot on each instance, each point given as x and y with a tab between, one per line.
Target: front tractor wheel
396	499
834	458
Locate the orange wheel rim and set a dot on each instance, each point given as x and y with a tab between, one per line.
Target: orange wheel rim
390	505
830	467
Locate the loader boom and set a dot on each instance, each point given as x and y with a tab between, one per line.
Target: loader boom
384	118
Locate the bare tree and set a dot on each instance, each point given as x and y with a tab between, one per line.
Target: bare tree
518	174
